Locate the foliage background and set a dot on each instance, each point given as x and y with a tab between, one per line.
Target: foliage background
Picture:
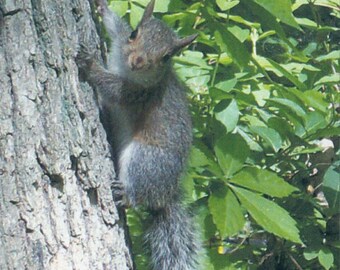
263	78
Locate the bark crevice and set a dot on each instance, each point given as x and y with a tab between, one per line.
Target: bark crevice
56	207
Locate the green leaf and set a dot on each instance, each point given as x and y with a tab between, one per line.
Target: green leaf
202	156
184	72
217	205
235	218
188	185
120	7
290	105
141	2
205	220
326	3
334	78
134	222
270	22
254	121
271	136
334	55
281	9
263	181
269	215
288	75
228	116
227	86
316	100
281	125
331	187
161	5
231	151
228	42
310	254
240	20
307	22
198	158
261	96
226	5
315	121
327	132
198	81
226	211
313	25
326	258
136	14
193	58
239	33
253	145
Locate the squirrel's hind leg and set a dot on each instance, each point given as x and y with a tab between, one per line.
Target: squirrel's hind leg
149	174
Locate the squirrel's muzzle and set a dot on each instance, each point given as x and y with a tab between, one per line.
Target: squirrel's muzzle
137	61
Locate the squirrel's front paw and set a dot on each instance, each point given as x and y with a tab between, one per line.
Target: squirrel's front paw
85	58
118	194
102	6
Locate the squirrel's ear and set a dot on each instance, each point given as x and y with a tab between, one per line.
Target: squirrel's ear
148	11
181	43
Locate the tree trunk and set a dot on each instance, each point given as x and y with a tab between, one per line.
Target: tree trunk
56	208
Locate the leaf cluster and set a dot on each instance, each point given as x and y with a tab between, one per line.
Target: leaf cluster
264	80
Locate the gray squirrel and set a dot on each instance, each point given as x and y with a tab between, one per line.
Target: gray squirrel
149	127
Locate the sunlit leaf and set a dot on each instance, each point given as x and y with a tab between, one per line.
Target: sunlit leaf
331	187
315	121
226	86
330	56
136	13
288	75
226	211
310	254
228	42
290	105
281	9
269	215
225	5
263	181
231	152
120	7
198	158
326	258
333	78
315	100
281	126
228	116
327	132
269	20
271	136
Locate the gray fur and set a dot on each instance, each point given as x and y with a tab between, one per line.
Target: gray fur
173	240
149	127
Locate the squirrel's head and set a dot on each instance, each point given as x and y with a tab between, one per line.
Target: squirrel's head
150	47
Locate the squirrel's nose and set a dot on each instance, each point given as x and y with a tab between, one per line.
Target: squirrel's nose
137	62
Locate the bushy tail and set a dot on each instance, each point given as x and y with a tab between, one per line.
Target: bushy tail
173	240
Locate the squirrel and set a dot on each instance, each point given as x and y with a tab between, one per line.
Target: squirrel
148	124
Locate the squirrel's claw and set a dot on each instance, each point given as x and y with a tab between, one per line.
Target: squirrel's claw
102	6
84	60
85	56
118	194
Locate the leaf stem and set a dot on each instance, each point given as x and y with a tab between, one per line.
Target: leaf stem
215	70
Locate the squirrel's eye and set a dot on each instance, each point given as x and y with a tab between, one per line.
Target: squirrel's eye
133	34
166	57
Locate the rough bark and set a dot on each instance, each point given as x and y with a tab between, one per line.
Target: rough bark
56	208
